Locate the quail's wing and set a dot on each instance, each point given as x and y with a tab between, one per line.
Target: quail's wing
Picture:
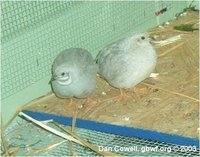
111	61
74	57
116	65
83	62
115	46
87	63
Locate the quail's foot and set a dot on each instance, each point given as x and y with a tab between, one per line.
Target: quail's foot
90	101
140	90
123	97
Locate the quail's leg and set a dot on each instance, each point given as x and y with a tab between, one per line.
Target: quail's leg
71	103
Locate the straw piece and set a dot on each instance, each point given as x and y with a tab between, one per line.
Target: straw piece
171	92
172	49
43	149
3	139
73	127
70	137
167	41
52	130
89	145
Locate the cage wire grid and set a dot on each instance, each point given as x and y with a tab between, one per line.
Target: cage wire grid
33	33
31	138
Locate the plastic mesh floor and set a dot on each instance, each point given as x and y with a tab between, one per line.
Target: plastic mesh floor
32	140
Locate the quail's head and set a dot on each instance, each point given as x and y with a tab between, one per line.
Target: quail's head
139	40
62	75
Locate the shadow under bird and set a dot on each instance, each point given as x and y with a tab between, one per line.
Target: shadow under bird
74	74
127	62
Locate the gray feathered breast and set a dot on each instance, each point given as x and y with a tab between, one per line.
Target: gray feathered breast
81	69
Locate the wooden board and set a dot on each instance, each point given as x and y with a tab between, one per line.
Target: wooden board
168	103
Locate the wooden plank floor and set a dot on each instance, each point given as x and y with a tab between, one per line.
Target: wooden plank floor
168	103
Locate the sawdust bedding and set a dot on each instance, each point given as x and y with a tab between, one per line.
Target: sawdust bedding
167	102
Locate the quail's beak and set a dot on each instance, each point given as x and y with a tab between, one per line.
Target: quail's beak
53	78
151	38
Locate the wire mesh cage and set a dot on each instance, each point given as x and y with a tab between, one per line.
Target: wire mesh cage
34	32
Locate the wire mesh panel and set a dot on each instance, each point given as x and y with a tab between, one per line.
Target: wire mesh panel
34	32
33	140
20	15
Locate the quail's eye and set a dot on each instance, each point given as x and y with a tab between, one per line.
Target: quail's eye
142	37
63	74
